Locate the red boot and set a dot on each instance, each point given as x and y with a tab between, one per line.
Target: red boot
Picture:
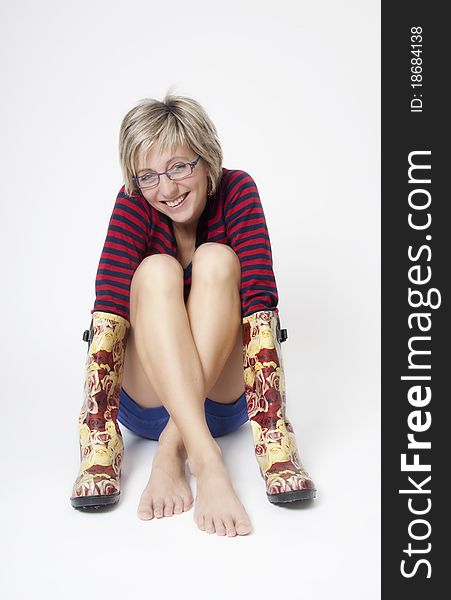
264	384
101	446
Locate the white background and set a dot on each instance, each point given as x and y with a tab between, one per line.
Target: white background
293	88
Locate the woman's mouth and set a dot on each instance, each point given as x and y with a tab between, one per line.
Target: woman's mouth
178	201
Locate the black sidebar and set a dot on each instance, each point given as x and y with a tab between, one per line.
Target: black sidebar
416	331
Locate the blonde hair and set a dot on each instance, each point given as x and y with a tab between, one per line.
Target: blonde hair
174	121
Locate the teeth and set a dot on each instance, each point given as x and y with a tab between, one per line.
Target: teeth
178	201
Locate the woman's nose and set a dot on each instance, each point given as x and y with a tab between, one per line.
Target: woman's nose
168	189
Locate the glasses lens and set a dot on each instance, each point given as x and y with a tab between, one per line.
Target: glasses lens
148	180
179	171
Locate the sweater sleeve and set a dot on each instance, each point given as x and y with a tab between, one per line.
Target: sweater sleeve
248	236
124	248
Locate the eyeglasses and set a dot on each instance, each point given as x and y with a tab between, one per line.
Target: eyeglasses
176	173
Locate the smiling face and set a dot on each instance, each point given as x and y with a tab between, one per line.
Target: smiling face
192	190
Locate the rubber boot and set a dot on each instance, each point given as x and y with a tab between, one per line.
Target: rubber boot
264	383
101	445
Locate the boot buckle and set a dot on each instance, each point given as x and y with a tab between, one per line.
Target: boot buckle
88	334
281	334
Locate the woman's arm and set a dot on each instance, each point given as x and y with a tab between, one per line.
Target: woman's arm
124	248
248	236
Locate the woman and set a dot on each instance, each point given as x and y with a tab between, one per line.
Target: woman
185	292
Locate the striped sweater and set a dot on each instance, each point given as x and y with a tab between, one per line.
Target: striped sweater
233	216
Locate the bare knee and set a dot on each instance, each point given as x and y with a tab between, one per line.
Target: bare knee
160	272
216	261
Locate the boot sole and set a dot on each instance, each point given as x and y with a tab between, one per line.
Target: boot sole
291	496
94	502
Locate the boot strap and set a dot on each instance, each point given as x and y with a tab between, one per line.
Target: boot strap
88	334
282	334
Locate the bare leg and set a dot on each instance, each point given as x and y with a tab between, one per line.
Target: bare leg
214	331
167	491
182	384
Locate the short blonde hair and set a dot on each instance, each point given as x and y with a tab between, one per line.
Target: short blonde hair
176	120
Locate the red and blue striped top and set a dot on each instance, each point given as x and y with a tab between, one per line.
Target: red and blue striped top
233	216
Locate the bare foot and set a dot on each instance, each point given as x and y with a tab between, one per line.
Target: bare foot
218	509
168	492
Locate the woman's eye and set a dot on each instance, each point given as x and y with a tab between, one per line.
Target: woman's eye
178	167
147	177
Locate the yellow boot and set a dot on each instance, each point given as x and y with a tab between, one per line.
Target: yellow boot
264	383
101	446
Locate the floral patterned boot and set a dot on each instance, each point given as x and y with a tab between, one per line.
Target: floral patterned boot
264	383
101	446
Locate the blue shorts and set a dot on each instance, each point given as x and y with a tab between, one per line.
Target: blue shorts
150	422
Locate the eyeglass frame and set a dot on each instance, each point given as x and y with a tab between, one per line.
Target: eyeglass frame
192	164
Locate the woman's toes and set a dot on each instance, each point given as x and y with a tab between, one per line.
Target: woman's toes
168	510
229	526
200	523
209	526
145	508
243	527
187	503
145	513
219	527
158	507
178	504
168	507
